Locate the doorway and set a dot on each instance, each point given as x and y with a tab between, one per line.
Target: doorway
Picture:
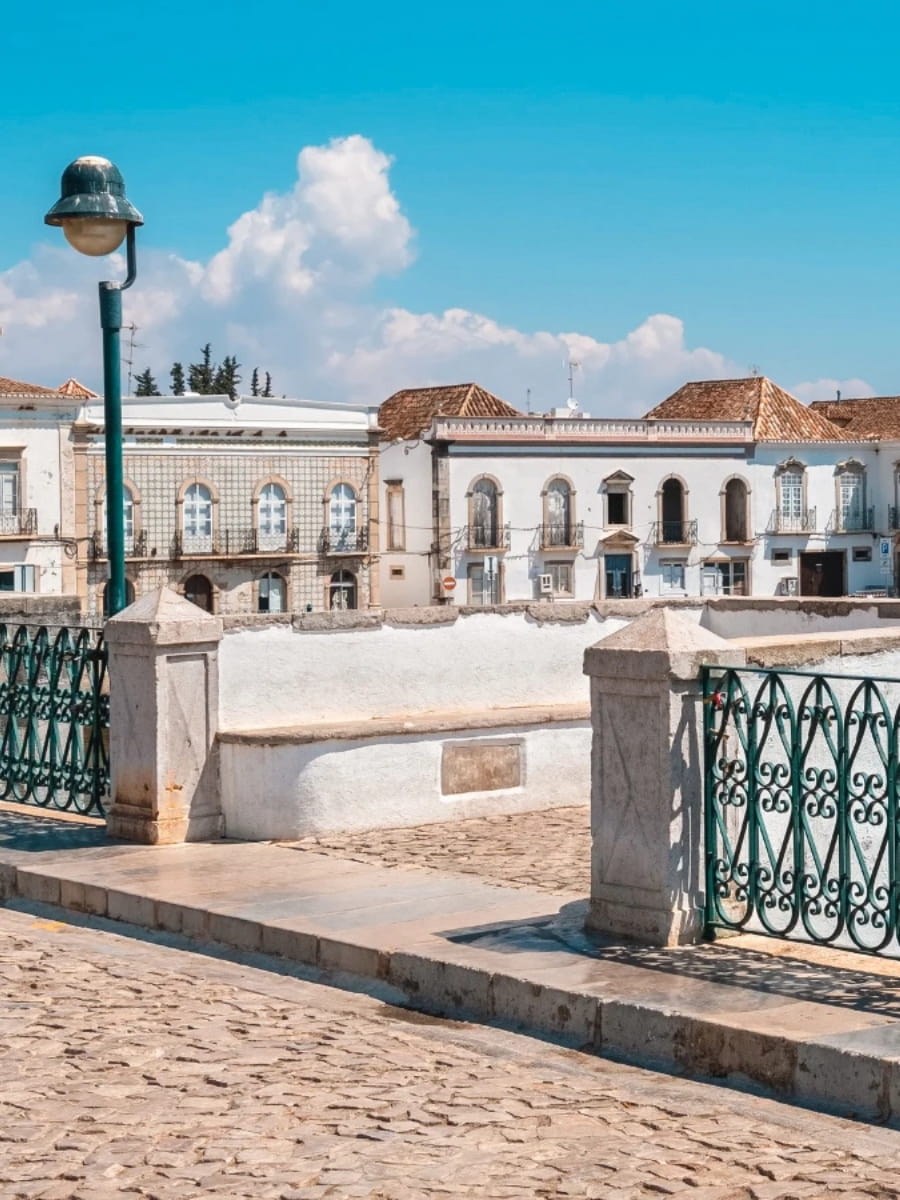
822	574
198	590
618	572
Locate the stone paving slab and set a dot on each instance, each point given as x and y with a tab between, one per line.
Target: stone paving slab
803	1028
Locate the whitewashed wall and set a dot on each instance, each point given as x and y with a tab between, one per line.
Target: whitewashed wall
409	462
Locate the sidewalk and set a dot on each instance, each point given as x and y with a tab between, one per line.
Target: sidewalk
804	1023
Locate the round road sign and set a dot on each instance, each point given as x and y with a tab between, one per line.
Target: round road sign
449	583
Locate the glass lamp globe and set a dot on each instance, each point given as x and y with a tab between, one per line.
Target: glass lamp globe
94	236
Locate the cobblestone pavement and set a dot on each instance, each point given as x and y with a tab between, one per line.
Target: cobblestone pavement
546	851
131	1068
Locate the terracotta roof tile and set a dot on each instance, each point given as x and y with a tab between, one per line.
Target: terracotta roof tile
408	413
14	387
777	416
870	417
73	388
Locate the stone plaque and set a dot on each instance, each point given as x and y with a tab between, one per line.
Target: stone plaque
480	767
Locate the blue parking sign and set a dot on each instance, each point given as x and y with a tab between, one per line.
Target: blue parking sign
885	547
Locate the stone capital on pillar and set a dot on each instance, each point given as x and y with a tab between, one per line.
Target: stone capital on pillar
647	851
164	703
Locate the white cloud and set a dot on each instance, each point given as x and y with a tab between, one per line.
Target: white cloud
289	291
827	389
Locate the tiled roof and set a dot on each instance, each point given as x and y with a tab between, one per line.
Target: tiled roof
870	417
777	416
73	388
409	413
14	387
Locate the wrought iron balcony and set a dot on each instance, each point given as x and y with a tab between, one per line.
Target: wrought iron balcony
344	541
856	522
17	524
562	535
135	546
674	533
802	522
893	517
486	537
227	543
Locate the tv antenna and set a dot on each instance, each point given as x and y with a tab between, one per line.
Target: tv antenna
572	403
132	346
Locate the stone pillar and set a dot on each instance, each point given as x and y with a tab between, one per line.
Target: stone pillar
647	856
164	706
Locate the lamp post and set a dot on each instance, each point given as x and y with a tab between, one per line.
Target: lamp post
96	217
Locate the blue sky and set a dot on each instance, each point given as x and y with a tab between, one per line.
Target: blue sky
562	171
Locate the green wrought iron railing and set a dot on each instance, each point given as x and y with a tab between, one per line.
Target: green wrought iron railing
801	806
54	718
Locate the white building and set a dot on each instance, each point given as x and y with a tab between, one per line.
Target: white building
727	487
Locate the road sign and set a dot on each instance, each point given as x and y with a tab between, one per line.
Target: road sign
448	583
885	548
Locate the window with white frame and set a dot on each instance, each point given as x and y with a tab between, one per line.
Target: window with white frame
791	501
9	498
558	514
727	578
196	517
851	498
20	577
484	509
272	511
484	583
342	517
272	593
672	574
561	577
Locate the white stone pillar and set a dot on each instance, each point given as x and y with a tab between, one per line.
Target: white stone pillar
647	855
164	706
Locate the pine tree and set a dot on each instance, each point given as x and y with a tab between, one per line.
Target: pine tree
145	384
254	382
177	377
267	391
226	378
201	374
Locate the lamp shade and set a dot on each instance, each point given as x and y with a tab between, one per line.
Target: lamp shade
93	192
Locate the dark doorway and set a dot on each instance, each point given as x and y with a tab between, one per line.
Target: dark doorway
199	591
673	511
618	575
822	574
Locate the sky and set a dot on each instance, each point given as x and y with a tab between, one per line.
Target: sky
362	197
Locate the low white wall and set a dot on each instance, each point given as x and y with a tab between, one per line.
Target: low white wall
295	790
291	675
785	617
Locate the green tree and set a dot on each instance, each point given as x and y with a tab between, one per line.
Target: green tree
267	390
226	378
254	382
177	377
201	375
145	384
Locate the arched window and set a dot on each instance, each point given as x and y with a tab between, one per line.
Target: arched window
199	591
342	518
792	515
736	524
851	497
342	591
484	516
128	513
272	595
673	517
558	514
197	517
271	516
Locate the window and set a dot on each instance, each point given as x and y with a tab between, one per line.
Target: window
272	594
199	591
561	576
398	572
672	572
342	519
851	514
342	591
272	513
396	520
19	578
197	517
726	578
781	555
484	520
484	582
862	553
128	511
558	514
735	504
617	508
9	498
790	504
672	506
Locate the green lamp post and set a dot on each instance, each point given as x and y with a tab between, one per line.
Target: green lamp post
96	217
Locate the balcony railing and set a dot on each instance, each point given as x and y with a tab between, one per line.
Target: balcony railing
893	517
856	522
16	524
486	537
803	522
226	543
344	541
562	536
135	546
674	533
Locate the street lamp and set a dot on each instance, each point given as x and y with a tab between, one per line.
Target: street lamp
96	218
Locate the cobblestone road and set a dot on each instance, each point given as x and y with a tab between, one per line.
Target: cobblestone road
132	1068
542	851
